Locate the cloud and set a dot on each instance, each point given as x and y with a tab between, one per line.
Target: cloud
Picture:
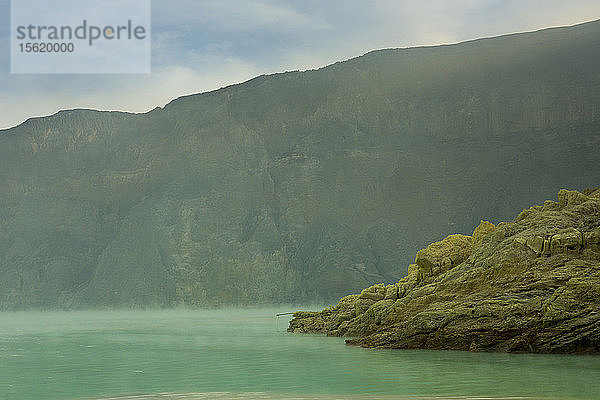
233	15
200	45
134	93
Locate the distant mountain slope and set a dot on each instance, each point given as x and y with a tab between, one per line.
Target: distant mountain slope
295	186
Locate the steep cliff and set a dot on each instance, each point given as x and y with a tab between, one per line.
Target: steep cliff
297	186
532	285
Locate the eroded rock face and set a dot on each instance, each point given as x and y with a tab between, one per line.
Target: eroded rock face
442	256
568	240
532	285
295	187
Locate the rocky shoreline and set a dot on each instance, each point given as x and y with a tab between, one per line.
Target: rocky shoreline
532	285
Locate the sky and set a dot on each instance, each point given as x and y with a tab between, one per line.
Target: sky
202	45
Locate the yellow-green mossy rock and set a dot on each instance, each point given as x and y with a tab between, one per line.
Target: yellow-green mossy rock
440	257
375	292
483	229
532	285
571	198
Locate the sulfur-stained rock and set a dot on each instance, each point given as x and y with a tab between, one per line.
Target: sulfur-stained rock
571	198
362	305
413	269
520	242
440	257
592	239
536	244
391	292
375	292
308	322
567	240
546	248
550	205
533	287
375	313
483	229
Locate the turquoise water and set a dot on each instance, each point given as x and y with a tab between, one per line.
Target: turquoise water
240	354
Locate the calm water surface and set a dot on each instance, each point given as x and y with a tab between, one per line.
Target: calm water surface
246	354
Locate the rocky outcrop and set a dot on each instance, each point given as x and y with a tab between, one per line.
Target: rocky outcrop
532	285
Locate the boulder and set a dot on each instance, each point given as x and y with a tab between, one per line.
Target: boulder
566	240
440	257
483	229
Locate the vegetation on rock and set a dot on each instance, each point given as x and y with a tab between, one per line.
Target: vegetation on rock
532	285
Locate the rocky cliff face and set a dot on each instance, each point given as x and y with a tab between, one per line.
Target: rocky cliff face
295	187
532	285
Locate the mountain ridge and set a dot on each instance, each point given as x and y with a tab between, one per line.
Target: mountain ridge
581	25
299	186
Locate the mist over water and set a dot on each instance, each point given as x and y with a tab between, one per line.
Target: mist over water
247	353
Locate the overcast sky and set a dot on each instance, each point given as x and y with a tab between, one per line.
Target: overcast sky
201	45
